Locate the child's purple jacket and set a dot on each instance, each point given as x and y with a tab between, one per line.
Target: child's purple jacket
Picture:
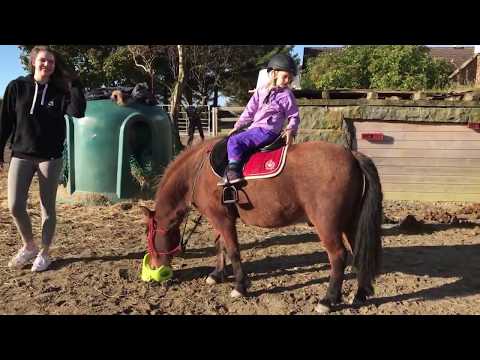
280	106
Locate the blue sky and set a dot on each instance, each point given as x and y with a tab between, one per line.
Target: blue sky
11	68
9	65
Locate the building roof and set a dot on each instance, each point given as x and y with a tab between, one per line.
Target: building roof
456	55
463	66
310	52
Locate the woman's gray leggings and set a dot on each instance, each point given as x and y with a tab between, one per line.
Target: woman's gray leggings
20	177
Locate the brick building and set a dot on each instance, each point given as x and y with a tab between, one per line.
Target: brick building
468	73
456	55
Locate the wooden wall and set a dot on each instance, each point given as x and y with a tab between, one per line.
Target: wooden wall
424	161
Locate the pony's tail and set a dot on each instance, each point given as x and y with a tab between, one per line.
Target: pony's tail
367	251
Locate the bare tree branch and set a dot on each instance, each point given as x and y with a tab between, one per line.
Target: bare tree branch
146	58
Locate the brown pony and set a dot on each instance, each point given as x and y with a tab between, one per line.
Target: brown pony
330	187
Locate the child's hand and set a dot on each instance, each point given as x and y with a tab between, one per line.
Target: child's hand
231	132
288	134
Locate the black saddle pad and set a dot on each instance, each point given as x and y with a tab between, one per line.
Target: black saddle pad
219	157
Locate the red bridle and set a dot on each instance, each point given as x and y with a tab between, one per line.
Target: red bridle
152	230
153	227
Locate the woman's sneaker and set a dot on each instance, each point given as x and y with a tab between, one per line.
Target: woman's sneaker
41	263
22	258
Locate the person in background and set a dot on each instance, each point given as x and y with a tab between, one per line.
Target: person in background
194	122
32	114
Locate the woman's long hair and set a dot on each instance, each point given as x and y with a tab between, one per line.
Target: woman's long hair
62	74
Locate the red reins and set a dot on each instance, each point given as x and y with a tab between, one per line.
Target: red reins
153	227
152	230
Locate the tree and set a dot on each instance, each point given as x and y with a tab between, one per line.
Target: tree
177	91
401	67
151	58
147	57
87	60
242	72
99	65
206	66
231	70
346	68
120	70
209	69
407	68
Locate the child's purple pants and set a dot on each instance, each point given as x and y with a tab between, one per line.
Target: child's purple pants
241	144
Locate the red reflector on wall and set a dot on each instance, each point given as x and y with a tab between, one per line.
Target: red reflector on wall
372	136
475	126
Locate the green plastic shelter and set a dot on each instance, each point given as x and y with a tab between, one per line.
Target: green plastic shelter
102	144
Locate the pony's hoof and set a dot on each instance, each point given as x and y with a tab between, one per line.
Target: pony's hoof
236	294
211	281
322	309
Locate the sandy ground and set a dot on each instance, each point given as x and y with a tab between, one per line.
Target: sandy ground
430	267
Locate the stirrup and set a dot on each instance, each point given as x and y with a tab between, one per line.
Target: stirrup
229	195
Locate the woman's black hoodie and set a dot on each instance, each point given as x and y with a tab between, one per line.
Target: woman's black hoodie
38	129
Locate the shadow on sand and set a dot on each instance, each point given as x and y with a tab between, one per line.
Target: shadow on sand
459	261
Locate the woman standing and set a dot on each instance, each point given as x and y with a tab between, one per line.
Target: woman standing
33	113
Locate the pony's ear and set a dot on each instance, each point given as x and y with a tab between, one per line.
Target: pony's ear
147	213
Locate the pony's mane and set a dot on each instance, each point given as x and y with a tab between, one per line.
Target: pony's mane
180	159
